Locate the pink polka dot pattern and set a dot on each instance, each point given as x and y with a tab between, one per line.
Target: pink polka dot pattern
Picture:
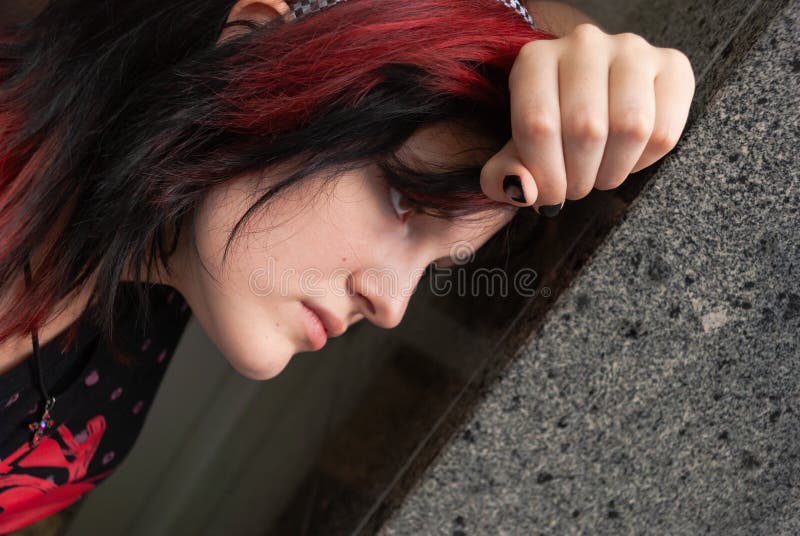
92	378
13	398
107	398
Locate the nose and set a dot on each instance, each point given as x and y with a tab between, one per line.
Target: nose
383	294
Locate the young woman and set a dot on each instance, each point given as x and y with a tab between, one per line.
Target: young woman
256	164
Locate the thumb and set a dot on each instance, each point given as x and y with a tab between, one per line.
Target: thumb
504	178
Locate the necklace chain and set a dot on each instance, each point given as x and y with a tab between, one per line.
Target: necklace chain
45	423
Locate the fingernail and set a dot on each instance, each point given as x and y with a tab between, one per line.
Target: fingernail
513	188
549	211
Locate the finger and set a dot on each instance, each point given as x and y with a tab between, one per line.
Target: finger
631	110
674	90
536	119
583	86
498	178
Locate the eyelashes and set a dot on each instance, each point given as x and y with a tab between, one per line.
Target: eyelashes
397	201
403	209
400	204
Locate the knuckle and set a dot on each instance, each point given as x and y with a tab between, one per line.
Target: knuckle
663	140
632	124
676	56
529	50
537	124
531	46
583	126
586	32
680	60
630	40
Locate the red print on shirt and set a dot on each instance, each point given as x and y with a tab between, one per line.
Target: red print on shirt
24	498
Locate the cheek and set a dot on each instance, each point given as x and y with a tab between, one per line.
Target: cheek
257	343
253	330
258	332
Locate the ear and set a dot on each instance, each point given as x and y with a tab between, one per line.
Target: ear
258	11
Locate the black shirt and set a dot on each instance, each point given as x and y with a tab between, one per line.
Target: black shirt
101	405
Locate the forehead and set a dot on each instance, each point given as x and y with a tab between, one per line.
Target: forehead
448	144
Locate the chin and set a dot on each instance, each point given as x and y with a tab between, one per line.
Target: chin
256	361
261	369
253	353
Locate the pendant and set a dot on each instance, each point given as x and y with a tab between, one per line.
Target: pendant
44	424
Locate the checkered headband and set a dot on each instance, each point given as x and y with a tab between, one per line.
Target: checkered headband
302	8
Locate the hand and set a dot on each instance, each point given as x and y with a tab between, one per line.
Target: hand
587	110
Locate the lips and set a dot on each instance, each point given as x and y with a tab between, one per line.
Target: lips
333	326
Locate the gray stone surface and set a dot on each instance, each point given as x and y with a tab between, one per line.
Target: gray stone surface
661	395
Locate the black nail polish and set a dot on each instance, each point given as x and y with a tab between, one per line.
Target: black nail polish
513	188
549	211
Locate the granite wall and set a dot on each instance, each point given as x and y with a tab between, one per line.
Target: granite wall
660	393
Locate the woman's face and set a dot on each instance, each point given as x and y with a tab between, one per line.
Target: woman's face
343	246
